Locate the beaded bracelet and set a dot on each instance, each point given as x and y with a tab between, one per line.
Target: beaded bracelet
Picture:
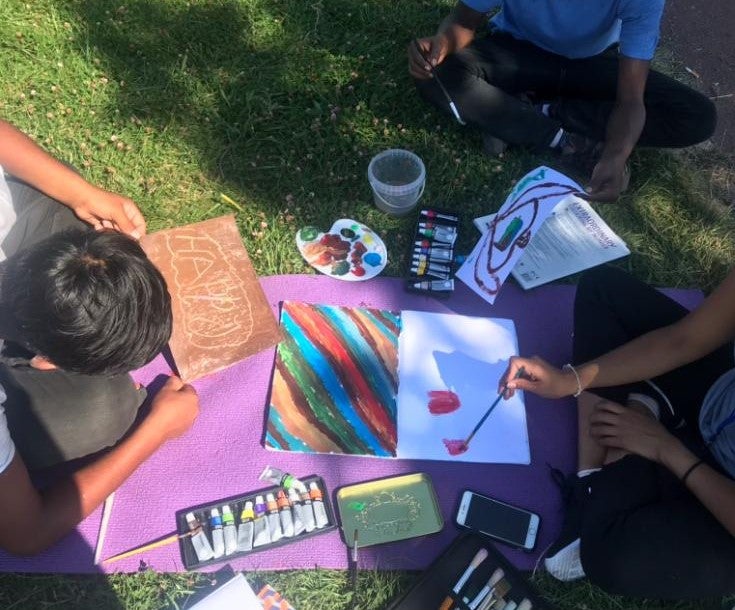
691	469
569	367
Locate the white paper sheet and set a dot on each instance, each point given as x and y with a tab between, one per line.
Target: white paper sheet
467	356
530	202
573	238
235	594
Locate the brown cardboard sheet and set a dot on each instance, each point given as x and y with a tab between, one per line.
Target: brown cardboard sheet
221	315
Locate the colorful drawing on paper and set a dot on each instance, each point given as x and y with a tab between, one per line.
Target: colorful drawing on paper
529	204
335	381
350	251
459	361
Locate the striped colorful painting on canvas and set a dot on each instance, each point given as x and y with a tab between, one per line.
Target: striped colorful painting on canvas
335	381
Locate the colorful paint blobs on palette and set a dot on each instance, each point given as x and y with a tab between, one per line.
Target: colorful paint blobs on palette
335	381
349	251
443	401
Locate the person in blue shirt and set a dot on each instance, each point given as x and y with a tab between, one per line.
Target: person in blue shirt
573	75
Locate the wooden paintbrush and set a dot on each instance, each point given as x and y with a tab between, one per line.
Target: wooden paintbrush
150	545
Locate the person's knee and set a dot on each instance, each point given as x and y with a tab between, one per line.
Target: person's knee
598	278
707	121
702	118
605	564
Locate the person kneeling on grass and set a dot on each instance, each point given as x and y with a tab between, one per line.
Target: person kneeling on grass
651	510
79	309
572	75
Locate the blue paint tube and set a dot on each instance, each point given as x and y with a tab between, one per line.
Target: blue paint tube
261	535
218	537
200	542
229	530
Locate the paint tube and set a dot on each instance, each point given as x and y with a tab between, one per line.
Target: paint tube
284	479
274	522
441	216
422	270
218	538
261	535
245	529
307	512
200	542
297	511
434	286
434	254
320	513
284	512
229	530
437	226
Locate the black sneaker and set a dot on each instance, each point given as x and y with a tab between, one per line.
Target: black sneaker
562	558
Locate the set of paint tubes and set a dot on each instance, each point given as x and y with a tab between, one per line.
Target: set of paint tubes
256	521
433	255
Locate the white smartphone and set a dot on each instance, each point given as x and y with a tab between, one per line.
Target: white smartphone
509	524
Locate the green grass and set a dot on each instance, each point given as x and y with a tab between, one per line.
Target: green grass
280	104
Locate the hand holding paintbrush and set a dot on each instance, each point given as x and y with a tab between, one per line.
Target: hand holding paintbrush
466	443
428	67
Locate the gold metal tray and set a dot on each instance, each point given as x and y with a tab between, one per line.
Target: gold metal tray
390	509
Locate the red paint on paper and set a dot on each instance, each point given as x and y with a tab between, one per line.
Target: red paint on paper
455	447
442	402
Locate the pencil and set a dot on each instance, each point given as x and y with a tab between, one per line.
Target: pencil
104	523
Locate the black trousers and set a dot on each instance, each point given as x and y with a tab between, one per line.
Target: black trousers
643	533
487	79
55	416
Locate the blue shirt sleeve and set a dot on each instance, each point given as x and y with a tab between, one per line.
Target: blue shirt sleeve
482	6
639	30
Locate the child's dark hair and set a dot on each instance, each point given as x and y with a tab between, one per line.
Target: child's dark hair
90	302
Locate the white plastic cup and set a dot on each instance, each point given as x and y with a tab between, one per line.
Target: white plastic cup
397	178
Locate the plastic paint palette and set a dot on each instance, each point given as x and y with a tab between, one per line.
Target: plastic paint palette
350	251
390	509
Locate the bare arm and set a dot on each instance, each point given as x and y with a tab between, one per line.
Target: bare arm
33	520
624	127
455	32
703	330
23	158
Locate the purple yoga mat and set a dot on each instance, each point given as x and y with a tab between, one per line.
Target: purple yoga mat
222	454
